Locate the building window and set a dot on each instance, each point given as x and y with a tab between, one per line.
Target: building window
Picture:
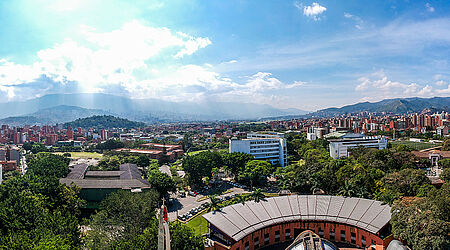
363	241
321	233
247	245
342	235
266	239
256	242
288	233
277	236
331	234
353	237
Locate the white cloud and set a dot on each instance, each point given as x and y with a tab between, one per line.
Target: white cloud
231	62
429	8
440	83
357	19
377	86
127	61
312	11
106	58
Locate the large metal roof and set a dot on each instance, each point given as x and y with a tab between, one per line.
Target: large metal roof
239	220
129	178
105	184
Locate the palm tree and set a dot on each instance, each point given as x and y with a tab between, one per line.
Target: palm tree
348	189
257	195
214	204
241	199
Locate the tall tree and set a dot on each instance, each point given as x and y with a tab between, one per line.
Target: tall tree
235	162
200	165
161	182
257	195
255	172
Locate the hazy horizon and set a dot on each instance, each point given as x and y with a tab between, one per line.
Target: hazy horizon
288	54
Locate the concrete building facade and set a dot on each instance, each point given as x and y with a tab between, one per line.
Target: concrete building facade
340	147
263	146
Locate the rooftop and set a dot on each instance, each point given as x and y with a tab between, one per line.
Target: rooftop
128	177
239	220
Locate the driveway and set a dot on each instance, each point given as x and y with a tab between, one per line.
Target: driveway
184	205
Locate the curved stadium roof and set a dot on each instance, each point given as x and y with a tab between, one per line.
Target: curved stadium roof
240	220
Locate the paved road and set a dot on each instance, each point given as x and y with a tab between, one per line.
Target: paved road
183	205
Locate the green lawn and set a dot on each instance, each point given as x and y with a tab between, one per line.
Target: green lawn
198	224
217	150
414	145
93	155
195	152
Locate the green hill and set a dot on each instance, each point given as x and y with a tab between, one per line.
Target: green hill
104	122
395	106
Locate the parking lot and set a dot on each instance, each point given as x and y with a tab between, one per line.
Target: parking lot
190	204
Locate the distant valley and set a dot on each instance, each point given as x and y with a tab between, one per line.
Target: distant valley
61	108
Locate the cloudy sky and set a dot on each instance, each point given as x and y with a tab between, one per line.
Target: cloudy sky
301	54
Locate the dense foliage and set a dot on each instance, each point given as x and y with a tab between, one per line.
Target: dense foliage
104	122
423	223
368	173
235	162
48	164
127	221
201	165
256	172
112	160
110	144
36	211
161	182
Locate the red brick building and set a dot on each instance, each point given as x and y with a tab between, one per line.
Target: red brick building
353	221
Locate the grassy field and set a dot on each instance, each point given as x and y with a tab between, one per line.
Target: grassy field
93	155
198	224
196	152
414	145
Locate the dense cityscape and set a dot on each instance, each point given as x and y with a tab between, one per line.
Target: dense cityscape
201	168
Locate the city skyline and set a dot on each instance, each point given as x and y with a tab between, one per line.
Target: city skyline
302	54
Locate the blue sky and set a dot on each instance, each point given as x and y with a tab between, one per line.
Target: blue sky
302	54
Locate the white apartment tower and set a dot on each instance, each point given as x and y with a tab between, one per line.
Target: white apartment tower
267	146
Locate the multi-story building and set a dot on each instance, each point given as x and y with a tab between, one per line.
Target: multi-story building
10	154
340	147
268	146
316	133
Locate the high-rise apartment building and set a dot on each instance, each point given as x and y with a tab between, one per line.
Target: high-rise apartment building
268	146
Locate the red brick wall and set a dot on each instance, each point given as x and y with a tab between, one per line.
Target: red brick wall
315	227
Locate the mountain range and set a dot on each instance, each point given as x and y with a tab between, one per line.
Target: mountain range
61	108
394	106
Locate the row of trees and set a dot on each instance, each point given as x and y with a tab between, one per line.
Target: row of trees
242	166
